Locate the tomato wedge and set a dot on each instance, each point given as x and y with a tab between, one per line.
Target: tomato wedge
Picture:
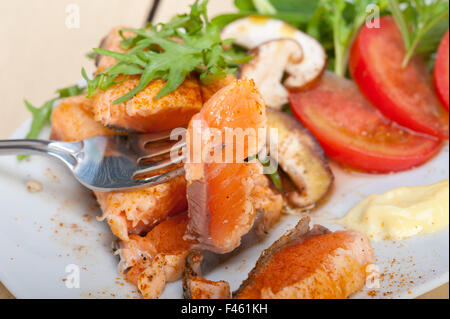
405	95
441	71
355	133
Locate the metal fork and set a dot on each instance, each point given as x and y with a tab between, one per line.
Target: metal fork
111	163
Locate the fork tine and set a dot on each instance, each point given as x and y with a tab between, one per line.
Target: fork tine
161	150
157	166
142	140
160	179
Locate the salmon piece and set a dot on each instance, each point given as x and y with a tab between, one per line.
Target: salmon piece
197	287
142	113
219	194
310	264
208	90
111	42
268	204
126	212
158	258
73	120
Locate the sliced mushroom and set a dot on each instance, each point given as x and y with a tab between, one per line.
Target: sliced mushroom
197	287
271	60
301	158
252	32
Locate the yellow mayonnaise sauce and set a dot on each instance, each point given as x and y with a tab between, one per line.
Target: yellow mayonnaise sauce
402	212
259	20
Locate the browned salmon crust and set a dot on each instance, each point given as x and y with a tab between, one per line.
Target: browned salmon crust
310	264
142	113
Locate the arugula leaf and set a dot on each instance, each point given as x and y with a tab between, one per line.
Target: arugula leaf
345	19
335	23
416	21
264	7
295	12
90	55
274	177
41	115
245	5
154	53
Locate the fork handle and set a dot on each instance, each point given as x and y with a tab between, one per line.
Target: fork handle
23	147
62	151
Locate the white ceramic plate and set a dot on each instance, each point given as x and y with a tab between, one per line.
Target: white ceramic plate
42	233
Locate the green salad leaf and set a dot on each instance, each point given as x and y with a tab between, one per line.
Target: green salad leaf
296	12
417	21
155	53
345	19
335	23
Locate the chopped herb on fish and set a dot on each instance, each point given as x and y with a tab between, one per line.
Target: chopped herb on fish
171	51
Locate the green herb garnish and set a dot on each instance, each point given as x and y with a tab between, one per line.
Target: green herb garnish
154	53
274	177
345	19
416	19
91	55
335	23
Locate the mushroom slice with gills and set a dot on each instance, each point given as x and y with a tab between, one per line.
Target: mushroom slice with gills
310	264
267	68
197	287
253	31
301	158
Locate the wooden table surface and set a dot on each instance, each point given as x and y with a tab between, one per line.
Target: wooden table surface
40	53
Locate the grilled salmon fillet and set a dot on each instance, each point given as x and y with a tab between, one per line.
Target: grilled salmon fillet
158	258
208	90
111	42
126	212
268	204
142	113
310	264
73	120
220	207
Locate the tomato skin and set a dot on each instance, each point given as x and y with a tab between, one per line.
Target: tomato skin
405	95
353	132
441	71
